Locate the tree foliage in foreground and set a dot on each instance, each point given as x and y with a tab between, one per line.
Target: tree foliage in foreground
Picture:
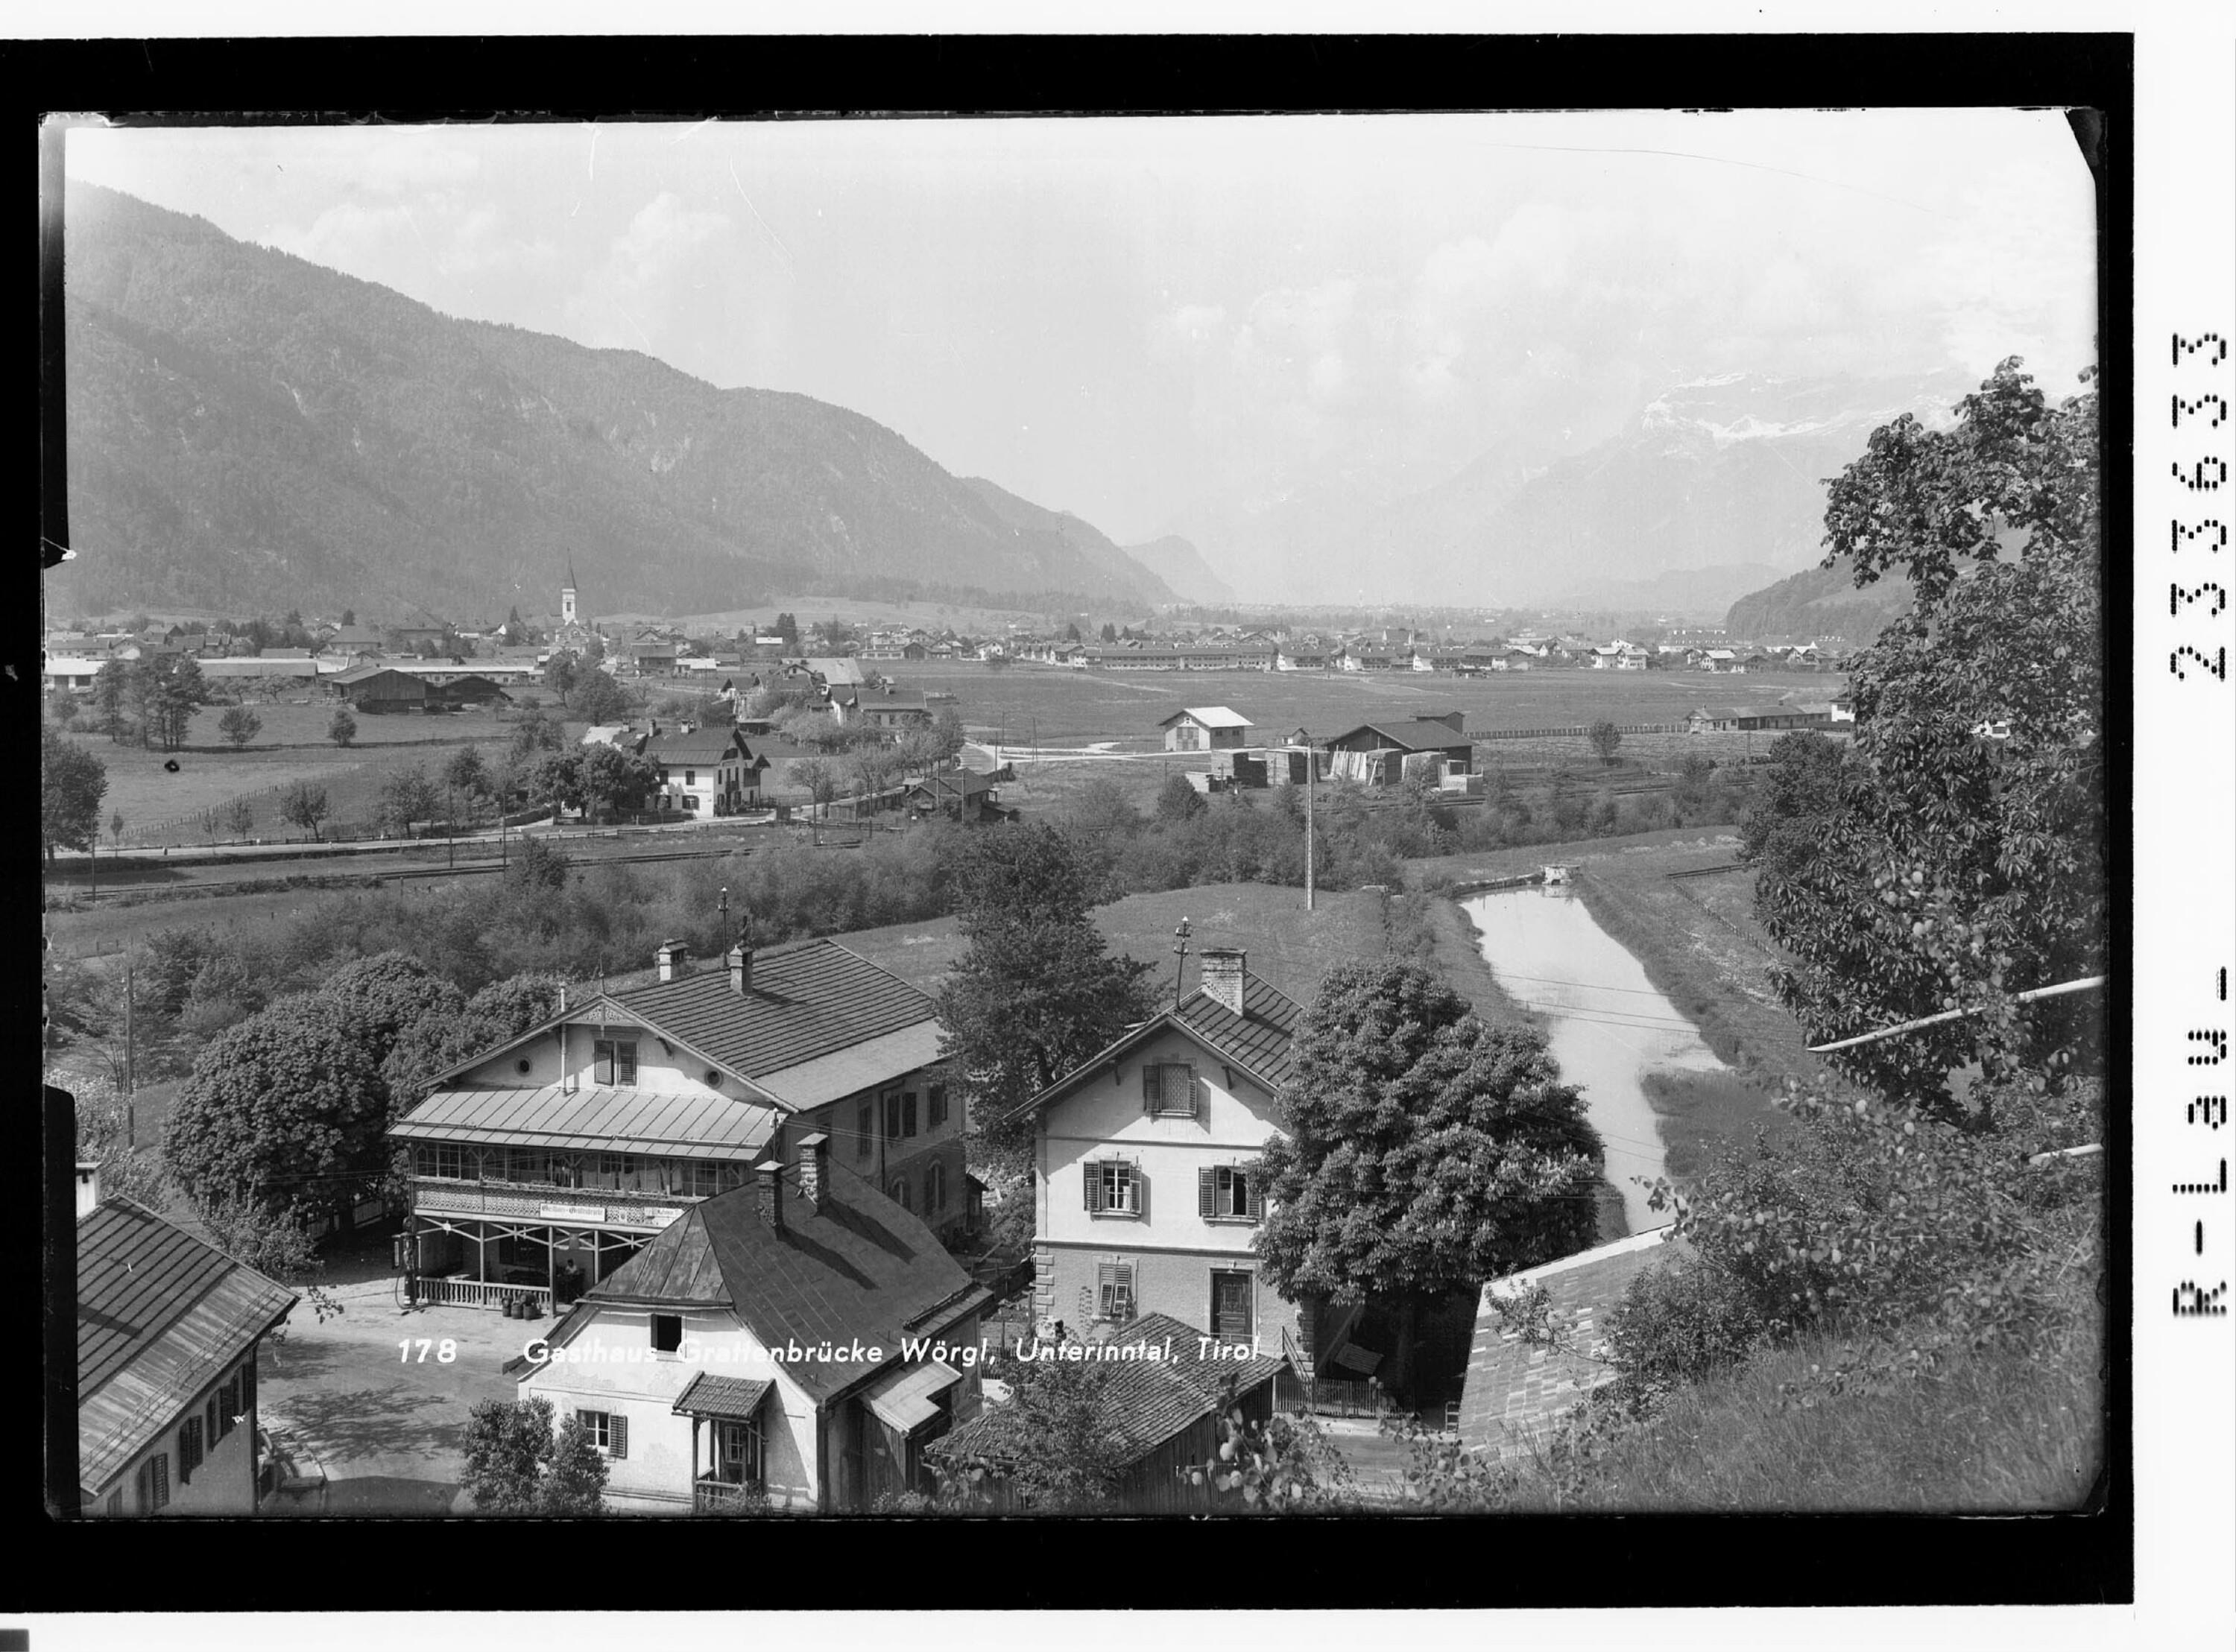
516	1463
1425	1151
1938	868
1037	992
72	782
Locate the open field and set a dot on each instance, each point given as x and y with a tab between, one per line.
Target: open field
863	611
1055	705
1289	946
160	807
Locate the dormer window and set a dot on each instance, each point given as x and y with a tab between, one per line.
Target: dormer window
1169	1089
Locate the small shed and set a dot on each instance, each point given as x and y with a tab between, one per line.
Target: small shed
1205	728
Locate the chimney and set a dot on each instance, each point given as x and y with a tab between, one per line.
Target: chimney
672	958
814	1164
1223	974
771	1175
89	1187
740	960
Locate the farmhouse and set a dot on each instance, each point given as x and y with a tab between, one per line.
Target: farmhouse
167	1330
380	689
69	672
961	795
1205	728
786	1338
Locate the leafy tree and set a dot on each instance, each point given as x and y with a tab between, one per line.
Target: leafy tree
72	782
816	777
240	724
1426	1152
1036	991
1605	737
1954	872
1178	801
610	778
302	805
1279	1466
788	628
388	993
509	1444
1071	632
289	1104
556	778
534	732
112	692
596	697
241	815
117	827
576	1477
948	732
341	728
132	1169
465	772
537	867
1060	1447
561	672
407	796
1110	632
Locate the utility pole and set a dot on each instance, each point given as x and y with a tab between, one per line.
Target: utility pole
1180	954
1304	740
130	1087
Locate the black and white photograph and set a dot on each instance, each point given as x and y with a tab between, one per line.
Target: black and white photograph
1218	817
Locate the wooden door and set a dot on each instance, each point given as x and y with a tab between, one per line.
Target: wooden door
1230	1307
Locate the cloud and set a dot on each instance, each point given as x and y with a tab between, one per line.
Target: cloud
625	301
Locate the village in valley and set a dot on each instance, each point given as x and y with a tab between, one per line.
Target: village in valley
546	1040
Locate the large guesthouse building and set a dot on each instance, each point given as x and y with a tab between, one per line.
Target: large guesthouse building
539	1167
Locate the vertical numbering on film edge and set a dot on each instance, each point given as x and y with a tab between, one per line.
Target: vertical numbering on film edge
2197	605
2204	603
2208	1047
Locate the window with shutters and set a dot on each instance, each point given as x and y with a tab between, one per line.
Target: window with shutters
615	1060
1169	1088
209	1426
190	1449
1113	1189
907	1112
1113	1296
156	1483
865	1129
116	1501
893	1116
228	1405
1229	1193
607	1430
935	1101
737	1451
248	1388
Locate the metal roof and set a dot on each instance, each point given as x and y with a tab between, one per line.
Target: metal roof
594	1118
858	1067
160	1315
803	1002
904	1397
1408	734
708	1395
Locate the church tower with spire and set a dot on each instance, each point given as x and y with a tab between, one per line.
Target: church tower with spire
573	633
566	596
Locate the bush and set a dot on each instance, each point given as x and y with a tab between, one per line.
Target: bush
1676	1324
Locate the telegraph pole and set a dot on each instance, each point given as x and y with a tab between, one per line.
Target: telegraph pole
130	1134
1180	955
1304	740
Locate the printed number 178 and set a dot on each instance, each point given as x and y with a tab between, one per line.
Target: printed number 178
445	1352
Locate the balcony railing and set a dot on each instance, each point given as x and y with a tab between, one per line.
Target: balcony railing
711	1495
479	1293
549	1203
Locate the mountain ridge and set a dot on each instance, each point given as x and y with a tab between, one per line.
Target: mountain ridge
246	429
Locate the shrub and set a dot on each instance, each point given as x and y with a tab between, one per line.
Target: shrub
1677	1323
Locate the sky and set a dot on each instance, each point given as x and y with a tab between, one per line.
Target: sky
1162	324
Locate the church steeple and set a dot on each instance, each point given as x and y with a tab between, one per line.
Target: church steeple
566	596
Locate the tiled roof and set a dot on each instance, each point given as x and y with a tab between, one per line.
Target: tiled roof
700	745
804	1001
1145	1400
1514	1391
708	1395
160	1316
1262	1041
1212	717
594	1118
855	1266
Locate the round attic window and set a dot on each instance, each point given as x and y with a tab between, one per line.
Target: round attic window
713	1079
523	1065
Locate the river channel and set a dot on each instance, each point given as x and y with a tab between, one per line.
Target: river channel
1607	1025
